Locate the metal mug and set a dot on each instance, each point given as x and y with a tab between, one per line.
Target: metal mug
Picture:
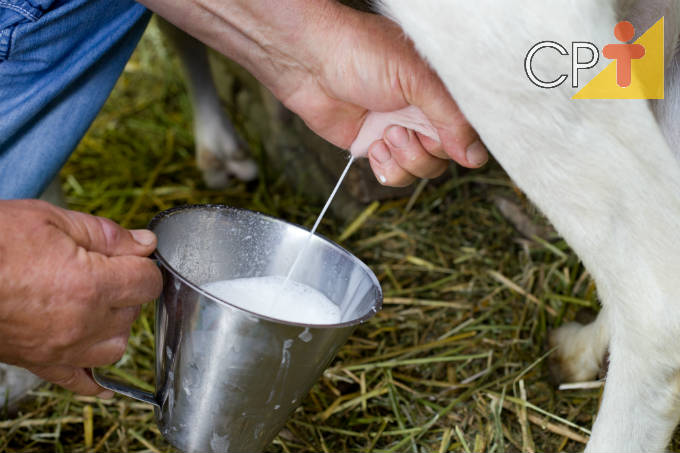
228	379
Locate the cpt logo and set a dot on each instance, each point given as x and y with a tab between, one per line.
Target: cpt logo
636	70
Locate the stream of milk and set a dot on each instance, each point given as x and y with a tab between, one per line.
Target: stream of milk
282	298
318	220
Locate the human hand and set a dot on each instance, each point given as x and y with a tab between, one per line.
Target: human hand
366	64
71	285
332	65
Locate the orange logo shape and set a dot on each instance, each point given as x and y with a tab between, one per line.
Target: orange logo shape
623	53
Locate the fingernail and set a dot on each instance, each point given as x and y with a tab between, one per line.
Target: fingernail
381	153
398	136
105	395
476	154
143	237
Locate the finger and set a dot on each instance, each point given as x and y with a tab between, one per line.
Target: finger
459	141
124	281
117	323
103	353
432	146
462	144
411	156
102	342
97	234
385	168
71	378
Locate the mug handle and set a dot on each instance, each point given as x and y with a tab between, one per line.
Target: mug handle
124	388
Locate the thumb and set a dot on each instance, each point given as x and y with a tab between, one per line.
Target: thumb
459	141
100	235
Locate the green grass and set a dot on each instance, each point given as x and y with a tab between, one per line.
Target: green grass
454	362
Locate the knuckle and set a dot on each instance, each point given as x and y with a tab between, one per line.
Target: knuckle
84	290
39	205
131	314
405	157
67	338
431	146
150	281
112	234
73	329
123	324
42	356
118	346
67	377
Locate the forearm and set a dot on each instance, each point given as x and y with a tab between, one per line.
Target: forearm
333	66
270	38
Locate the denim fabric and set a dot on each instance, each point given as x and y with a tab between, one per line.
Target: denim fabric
59	60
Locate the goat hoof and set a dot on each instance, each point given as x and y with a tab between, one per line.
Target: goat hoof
217	171
572	360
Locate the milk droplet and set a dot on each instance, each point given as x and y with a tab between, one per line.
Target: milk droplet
305	336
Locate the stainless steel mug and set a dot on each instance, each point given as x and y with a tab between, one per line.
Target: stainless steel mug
228	379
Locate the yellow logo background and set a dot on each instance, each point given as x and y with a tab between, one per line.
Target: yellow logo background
647	80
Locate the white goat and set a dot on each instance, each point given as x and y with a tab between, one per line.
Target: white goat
603	171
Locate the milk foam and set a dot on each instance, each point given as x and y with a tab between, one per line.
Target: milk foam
273	297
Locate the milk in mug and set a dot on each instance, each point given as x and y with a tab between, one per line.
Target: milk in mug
274	297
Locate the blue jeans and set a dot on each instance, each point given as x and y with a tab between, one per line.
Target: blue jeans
59	60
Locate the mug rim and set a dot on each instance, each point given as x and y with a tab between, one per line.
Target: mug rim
158	218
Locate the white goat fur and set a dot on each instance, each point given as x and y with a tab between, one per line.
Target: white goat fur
601	170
